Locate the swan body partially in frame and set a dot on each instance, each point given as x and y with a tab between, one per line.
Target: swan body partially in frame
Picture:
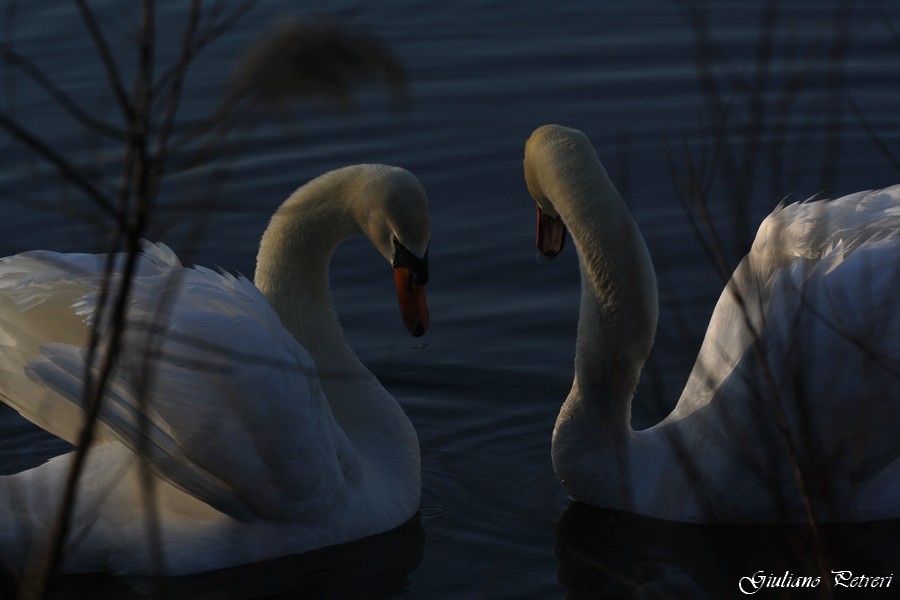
792	408
263	433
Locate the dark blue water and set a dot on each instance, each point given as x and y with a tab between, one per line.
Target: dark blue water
484	385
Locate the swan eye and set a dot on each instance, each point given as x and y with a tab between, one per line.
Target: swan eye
404	259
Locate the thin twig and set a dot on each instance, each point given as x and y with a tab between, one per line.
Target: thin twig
889	25
873	135
62	99
178	75
207	37
9	22
69	171
107	58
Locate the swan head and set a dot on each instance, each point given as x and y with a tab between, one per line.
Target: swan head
396	221
540	156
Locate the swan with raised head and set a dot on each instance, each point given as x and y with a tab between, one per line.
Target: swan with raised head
265	434
792	408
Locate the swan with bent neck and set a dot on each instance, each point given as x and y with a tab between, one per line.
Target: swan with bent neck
264	433
791	410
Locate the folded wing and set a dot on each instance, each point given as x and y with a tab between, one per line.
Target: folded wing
209	387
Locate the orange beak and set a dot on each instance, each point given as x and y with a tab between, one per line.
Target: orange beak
551	234
411	296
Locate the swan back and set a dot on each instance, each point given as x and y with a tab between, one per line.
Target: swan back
799	254
267	435
789	412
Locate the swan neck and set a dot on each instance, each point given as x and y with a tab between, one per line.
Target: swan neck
292	267
618	314
292	273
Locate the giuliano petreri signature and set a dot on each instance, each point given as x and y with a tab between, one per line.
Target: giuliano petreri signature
842	579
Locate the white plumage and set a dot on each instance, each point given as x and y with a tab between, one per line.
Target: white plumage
792	408
219	388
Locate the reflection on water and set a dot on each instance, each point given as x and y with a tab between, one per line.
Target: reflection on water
610	554
484	385
375	567
22	445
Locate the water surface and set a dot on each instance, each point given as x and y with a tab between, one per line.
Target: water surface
483	386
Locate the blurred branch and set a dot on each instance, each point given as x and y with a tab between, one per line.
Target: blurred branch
213	32
836	83
693	200
309	61
106	57
762	126
191	48
873	135
9	78
693	190
177	78
64	100
734	172
69	171
292	64
890	26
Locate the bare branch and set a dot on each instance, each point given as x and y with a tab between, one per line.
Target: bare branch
64	100
9	20
876	139
208	36
178	74
69	171
836	83
106	57
213	33
890	26
94	389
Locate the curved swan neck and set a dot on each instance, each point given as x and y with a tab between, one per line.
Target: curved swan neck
292	264
292	272
618	314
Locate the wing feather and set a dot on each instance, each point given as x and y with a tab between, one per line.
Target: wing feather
210	388
800	244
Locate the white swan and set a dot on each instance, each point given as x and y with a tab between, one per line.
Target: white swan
267	434
795	395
